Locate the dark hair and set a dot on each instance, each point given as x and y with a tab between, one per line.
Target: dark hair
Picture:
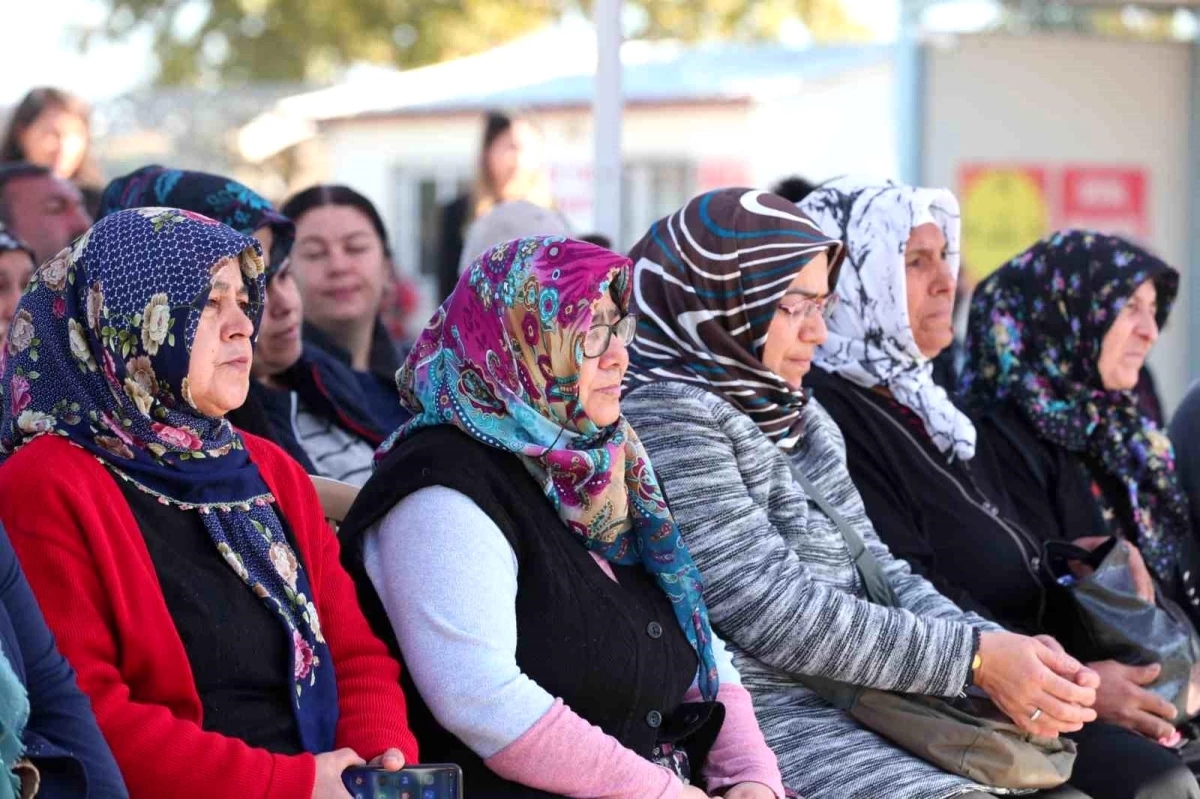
599	239
15	171
329	194
495	123
793	189
485	195
32	106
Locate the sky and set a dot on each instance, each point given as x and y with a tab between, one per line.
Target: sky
44	52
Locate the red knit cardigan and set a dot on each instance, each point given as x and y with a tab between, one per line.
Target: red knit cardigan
85	557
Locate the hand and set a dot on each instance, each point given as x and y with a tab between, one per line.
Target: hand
1142	581
692	792
1022	675
391	760
1085	677
330	766
1052	642
1122	699
750	790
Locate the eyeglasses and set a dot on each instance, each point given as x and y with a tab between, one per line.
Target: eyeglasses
803	309
599	336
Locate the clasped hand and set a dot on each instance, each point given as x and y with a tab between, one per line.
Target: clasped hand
1024	675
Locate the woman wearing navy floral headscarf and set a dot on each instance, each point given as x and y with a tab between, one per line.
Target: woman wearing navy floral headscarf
327	416
185	568
1057	338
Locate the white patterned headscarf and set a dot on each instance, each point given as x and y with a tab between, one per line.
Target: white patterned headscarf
870	337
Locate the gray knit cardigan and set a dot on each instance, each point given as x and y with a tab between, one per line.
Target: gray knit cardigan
782	592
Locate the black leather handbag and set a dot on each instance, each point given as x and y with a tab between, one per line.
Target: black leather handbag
1100	617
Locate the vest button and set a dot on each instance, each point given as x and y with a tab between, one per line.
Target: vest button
654	630
654	719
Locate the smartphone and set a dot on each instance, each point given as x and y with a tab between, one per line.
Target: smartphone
433	781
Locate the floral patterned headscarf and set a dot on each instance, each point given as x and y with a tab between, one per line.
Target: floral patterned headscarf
99	353
1034	338
500	361
215	196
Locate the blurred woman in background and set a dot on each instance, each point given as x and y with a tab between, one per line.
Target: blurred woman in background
52	128
511	166
343	262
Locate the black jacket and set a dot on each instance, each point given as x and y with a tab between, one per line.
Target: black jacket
952	520
1056	491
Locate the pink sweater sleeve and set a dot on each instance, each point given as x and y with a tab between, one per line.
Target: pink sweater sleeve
564	754
740	753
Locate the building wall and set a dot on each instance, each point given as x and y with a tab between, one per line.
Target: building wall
1071	100
818	129
837	126
367	153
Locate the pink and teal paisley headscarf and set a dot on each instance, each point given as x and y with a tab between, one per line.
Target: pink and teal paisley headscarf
500	361
99	352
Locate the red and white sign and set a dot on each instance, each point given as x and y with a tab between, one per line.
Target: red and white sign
717	173
1112	199
1007	207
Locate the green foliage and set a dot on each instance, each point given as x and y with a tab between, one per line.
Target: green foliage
240	41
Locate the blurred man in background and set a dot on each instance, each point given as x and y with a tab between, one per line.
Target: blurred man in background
42	210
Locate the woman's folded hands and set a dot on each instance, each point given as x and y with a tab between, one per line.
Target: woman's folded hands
1036	683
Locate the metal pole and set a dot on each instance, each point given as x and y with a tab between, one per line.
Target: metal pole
606	119
1191	279
909	94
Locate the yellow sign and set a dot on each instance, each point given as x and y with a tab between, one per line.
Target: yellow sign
1004	210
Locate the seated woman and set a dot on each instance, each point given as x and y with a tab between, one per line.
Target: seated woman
934	496
515	529
343	264
186	569
731	293
302	398
1056	340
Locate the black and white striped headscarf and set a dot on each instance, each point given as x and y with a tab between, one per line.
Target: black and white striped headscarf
870	339
707	281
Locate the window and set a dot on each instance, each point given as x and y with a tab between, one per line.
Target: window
650	190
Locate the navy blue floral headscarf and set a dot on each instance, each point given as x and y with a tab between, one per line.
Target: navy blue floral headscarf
99	352
214	196
1034	338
